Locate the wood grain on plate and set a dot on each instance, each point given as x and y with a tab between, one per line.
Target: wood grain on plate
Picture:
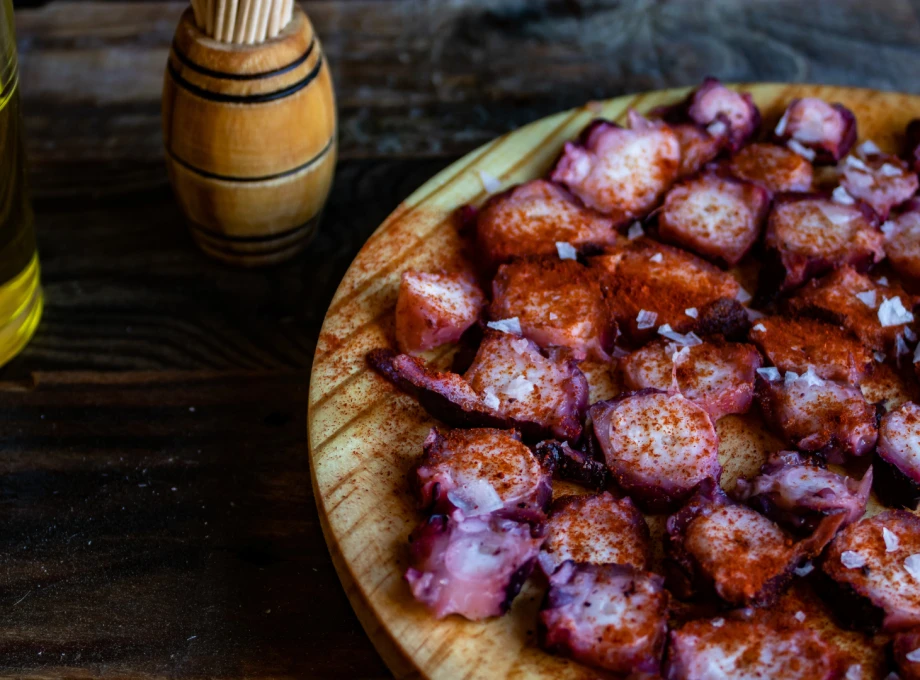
364	436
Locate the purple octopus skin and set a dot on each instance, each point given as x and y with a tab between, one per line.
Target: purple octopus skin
572	465
912	140
610	616
715	544
481	471
899	440
499	389
880	180
819	416
827	130
798	493
721	111
474	567
657	471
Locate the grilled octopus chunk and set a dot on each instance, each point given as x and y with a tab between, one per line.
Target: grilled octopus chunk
572	465
906	651
912	139
881	180
794	344
724	113
658	445
719	376
899	450
902	241
474	566
644	275
798	493
531	218
617	171
827	131
608	616
773	167
818	415
875	564
481	472
434	309
511	383
716	217
557	303
697	147
716	544
718	649
869	310
809	235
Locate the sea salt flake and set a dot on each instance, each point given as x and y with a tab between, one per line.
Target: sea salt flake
879	357
909	335
811	378
882	281
781	125
800	149
489	182
853	162
890	170
490	399
869	148
690	339
717	128
800	616
854	672
718	623
645	319
892	313
790	377
619	353
912	565
770	373
566	251
891	540
804	570
867	298
691	312
753	314
900	346
852	560
656	258
553	316
743	296
679	355
521	346
913	656
840	195
635	231
760	327
888	229
512	325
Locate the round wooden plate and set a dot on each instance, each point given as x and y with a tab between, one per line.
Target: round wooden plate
364	435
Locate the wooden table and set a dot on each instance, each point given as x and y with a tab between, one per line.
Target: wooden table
157	512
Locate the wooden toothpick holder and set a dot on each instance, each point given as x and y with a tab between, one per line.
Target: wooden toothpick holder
250	135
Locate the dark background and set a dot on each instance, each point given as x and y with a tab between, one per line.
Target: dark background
157	517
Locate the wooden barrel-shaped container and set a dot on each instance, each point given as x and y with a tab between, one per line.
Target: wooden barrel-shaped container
250	136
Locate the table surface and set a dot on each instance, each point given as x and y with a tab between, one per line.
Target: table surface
158	519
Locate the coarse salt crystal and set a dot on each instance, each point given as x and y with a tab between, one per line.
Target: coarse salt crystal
811	378
888	229
717	128
512	325
912	565
781	125
890	170
854	672
900	346
913	656
656	257
635	231
790	377
770	373
840	195
869	148
690	339
909	335
760	327
566	251
882	281
645	319
800	149
804	570
852	560
619	353
490	399
867	297
753	314
879	357
489	182
853	162
691	312
679	355
718	623
917	354
743	296
553	316
891	540
892	313
520	345
800	616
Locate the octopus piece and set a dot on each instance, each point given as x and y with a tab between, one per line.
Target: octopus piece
658	446
881	180
817	415
510	384
877	315
809	235
598	529
906	651
716	544
572	465
798	493
822	132
434	309
531	218
912	139
775	168
557	303
718	649
875	564
470	473
794	344
716	217
662	281
902	241
609	616
899	449
718	376
620	172
697	147
724	113
474	567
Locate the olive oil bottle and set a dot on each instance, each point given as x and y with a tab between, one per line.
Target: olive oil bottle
20	293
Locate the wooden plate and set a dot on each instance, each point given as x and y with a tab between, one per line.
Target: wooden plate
364	435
